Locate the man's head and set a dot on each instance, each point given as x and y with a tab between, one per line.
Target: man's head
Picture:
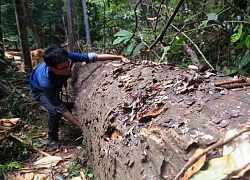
57	59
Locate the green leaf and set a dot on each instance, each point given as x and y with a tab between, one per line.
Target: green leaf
245	60
240	45
130	48
119	40
2	61
236	36
248	41
177	44
123	37
166	49
123	33
138	48
147	36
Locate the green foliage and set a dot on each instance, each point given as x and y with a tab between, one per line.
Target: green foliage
134	44
74	169
88	174
216	28
236	36
241	39
10	166
75	165
123	36
248	42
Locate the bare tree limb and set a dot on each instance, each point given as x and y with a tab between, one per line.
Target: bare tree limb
136	25
192	55
159	38
31	145
230	4
195	47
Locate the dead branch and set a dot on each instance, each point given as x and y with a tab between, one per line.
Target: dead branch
235	85
192	55
31	145
221	142
195	47
229	82
159	38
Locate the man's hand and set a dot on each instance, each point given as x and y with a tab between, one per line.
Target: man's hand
125	60
71	119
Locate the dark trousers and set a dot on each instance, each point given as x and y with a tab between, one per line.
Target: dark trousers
54	116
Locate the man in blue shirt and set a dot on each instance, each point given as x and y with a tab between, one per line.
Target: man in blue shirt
48	79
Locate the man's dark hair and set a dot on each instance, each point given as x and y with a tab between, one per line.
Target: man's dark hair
54	55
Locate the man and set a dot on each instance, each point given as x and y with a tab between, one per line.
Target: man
48	79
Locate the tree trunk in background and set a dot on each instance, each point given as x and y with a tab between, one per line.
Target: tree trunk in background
86	22
144	121
31	24
23	35
70	25
2	64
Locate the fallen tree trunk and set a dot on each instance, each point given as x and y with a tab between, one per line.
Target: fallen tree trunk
144	121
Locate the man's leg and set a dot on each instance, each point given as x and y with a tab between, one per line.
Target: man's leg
53	121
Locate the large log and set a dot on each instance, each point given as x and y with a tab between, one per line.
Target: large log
144	120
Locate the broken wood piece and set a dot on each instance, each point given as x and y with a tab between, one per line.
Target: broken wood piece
229	82
6	125
235	85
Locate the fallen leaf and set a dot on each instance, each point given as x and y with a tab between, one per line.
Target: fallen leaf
48	161
29	176
196	166
15	177
76	178
156	111
218	169
235	160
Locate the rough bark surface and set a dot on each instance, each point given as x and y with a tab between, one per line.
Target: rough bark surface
144	120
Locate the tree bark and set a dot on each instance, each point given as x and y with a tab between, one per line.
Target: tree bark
70	25
145	120
86	23
32	25
2	63
23	35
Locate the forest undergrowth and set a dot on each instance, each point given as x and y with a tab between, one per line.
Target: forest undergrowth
26	142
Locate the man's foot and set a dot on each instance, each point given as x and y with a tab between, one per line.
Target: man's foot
53	144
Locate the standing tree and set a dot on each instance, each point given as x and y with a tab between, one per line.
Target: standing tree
2	64
70	25
31	24
22	32
86	22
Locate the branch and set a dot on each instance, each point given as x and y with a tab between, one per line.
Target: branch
230	4
229	82
195	47
218	144
136	26
244	22
31	145
159	38
192	55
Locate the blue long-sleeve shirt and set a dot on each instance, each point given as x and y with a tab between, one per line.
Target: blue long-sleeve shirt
44	80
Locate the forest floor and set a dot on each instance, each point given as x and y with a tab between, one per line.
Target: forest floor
67	161
26	150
